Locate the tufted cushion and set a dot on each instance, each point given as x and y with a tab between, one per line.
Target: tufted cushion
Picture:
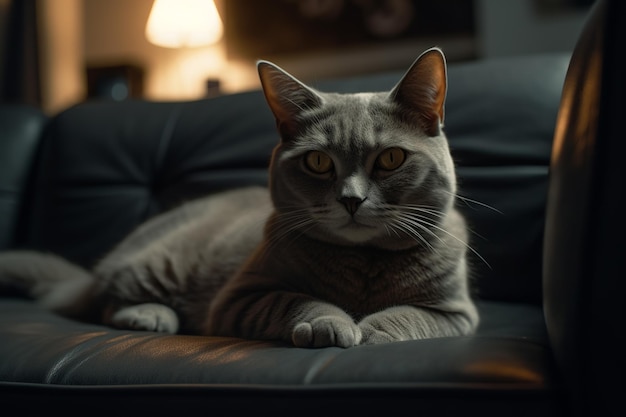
107	166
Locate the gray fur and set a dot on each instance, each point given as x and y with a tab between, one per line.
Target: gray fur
356	254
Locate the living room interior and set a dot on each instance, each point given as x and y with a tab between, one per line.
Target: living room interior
108	116
68	41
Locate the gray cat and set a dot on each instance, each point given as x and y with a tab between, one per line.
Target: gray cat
357	240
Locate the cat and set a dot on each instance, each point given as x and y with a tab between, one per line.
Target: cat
355	241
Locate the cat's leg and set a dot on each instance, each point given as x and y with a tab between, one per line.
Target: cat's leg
137	295
410	323
281	315
150	316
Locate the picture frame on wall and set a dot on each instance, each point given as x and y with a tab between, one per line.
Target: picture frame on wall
286	27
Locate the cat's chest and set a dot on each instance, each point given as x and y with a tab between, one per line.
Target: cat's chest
364	280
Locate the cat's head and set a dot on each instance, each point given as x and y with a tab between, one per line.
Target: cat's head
362	169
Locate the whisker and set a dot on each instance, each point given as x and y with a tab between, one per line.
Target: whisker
421	217
468	202
423	210
407	223
409	217
475	233
439	214
390	229
287	225
441	229
408	229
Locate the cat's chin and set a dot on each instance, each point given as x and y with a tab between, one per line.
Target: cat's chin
355	234
346	235
358	233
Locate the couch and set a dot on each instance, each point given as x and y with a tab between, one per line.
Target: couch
75	183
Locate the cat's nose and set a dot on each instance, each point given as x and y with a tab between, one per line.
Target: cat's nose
351	203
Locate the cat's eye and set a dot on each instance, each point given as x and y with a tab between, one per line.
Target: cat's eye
390	159
318	162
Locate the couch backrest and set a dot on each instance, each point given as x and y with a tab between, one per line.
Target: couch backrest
20	133
106	167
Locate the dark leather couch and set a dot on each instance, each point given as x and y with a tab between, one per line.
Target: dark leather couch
74	184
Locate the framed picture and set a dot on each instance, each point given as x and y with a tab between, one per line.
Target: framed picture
558	6
115	82
272	28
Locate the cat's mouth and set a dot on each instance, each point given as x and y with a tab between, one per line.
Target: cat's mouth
354	224
357	232
358	229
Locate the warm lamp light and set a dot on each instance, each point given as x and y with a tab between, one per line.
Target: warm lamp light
184	23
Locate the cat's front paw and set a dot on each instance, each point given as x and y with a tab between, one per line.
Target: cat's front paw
326	331
150	317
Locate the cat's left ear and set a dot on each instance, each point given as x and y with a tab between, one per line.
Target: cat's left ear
286	96
421	93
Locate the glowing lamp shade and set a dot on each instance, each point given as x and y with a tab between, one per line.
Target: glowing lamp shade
184	23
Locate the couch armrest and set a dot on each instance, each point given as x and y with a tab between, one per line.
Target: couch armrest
584	246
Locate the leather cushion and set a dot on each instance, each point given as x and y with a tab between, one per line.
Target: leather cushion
509	350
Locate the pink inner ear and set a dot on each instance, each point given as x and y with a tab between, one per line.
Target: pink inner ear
286	96
272	81
431	76
439	93
422	91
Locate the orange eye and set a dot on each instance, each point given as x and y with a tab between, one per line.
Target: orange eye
318	162
390	159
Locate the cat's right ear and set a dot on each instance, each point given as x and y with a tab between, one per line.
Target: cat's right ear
286	96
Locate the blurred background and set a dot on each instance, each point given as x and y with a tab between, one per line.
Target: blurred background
56	53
